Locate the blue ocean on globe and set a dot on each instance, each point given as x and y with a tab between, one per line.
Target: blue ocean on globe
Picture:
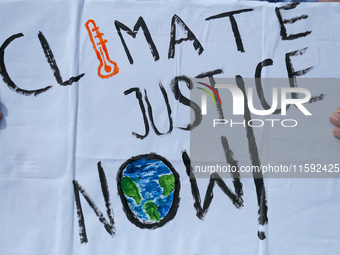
148	186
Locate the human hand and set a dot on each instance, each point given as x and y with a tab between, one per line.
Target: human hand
1	115
335	119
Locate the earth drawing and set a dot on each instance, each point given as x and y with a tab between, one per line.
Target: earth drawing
148	187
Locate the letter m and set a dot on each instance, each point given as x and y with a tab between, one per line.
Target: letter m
139	24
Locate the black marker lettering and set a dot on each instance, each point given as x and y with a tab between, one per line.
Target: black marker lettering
214	177
50	59
283	30
259	88
234	26
292	74
140	101
190	37
212	84
183	100
165	96
109	227
255	160
316	98
5	75
139	24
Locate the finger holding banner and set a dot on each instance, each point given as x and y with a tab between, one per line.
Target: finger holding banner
335	119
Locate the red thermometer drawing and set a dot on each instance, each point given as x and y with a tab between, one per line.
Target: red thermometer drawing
107	67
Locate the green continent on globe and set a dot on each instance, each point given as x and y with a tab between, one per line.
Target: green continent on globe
167	182
130	189
152	210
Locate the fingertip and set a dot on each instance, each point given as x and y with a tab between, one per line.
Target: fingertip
336	132
334	119
337	110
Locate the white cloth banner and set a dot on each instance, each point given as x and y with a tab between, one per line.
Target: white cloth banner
95	140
